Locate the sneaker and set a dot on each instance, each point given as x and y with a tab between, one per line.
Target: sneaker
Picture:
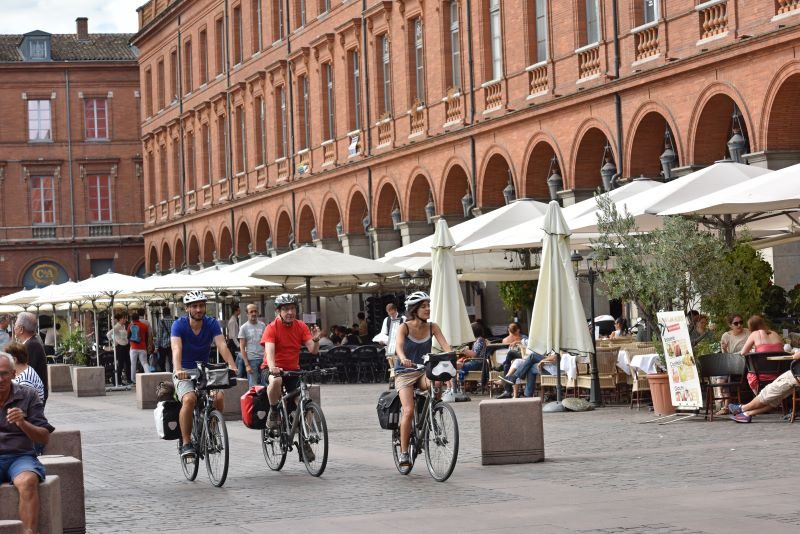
504	395
308	452
742	418
187	451
735	408
405	459
449	396
506	380
274	419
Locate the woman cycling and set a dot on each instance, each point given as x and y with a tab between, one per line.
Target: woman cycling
414	341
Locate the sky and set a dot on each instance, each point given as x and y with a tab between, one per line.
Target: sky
58	16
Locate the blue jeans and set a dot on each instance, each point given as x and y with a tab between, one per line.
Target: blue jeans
472	365
254	378
529	370
241	368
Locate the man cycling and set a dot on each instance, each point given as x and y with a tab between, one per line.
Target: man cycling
191	337
282	340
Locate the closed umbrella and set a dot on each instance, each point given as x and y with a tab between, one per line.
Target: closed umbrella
558	322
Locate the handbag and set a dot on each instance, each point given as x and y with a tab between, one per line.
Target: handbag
440	367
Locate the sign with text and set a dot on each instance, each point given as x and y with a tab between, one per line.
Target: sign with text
684	382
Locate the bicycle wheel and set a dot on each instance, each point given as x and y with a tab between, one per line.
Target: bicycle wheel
274	446
216	449
314	436
441	442
404	470
190	466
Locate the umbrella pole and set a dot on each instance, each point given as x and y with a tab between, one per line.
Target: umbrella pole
308	294
556	406
96	333
113	342
55	331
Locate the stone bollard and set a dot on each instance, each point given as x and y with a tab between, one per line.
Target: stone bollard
511	431
89	381
59	377
146	384
65	443
11	526
73	505
49	504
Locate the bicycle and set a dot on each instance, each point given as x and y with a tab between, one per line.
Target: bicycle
209	433
307	423
434	427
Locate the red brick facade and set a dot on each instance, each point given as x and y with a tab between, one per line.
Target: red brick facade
71	178
509	116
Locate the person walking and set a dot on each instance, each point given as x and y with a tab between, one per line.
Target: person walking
162	341
232	333
141	340
5	337
118	339
250	334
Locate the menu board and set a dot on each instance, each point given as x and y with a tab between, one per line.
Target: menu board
684	382
391	345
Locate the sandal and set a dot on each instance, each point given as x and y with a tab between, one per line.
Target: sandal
722	411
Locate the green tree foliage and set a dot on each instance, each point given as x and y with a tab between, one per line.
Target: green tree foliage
517	296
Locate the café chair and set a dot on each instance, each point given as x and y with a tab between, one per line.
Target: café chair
731	367
795	367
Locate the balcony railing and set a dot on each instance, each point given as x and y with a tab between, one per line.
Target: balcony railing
163	210
646	43
100	230
453	110
783	7
208	195
537	80
261	177
240	184
43	232
328	152
493	96
151	214
589	62
191	201
417	120
283	168
176	206
385	131
221	189
302	162
713	20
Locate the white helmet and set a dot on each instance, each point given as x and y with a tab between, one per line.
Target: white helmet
194	295
416	298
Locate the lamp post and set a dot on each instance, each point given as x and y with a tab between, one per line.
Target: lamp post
593	268
467	203
608	170
737	143
339	231
509	194
554	181
430	209
667	157
395	215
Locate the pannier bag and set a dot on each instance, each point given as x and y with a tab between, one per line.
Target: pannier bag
166	417
165	391
441	367
255	407
389	410
216	376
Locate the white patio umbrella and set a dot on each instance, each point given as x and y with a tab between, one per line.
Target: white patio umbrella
530	235
558	322
48	295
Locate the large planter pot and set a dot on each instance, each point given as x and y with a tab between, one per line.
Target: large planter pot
659	391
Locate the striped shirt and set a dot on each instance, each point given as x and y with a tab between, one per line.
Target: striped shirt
29	378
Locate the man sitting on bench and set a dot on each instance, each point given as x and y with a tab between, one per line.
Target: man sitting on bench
22	423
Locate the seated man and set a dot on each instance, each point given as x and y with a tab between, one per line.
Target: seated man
529	368
22	425
768	398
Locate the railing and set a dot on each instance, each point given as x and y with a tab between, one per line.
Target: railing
163	209
261	177
241	183
100	230
493	96
328	152
151	214
713	20
646	43
302	162
208	196
589	62
385	132
453	110
786	6
191	201
417	116
43	232
537	80
283	168
176	206
222	189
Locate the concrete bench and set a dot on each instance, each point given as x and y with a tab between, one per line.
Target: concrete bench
73	505
146	384
11	526
49	506
316	393
59	377
233	400
65	443
89	381
511	431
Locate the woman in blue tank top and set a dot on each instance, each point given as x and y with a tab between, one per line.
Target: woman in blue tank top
414	341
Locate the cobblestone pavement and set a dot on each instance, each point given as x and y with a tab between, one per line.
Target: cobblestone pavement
604	473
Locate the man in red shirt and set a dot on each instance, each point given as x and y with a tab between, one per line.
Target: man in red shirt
141	341
282	340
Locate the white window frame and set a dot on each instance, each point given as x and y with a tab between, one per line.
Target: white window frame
40	133
329	96
356	89
496	38
592	6
455	45
41	208
95	178
386	70
419	60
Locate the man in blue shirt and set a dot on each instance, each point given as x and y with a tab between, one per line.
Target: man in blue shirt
191	338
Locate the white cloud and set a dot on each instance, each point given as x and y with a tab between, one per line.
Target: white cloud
58	16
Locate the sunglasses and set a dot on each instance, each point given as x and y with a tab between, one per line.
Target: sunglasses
737	323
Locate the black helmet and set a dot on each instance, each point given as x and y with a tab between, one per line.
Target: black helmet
284	299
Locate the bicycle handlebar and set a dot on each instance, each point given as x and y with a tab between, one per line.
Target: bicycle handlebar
318	371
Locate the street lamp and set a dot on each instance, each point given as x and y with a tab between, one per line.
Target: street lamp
508	193
405	279
667	157
339	230
608	170
594	266
737	143
366	222
467	204
430	209
554	182
421	279
314	234
395	215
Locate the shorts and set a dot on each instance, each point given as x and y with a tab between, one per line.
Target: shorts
290	383
182	387
774	393
407	379
12	465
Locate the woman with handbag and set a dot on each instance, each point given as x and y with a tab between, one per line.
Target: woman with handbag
414	341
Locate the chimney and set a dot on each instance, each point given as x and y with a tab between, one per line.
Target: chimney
82	27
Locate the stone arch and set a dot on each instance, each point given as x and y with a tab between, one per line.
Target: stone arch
456	184
539	168
152	259
263	233
331	216
356	211
180	256
647	143
225	244
420	192
208	247
282	230
166	257
387	200
193	257
243	240
305	223
711	124
781	128
588	158
493	179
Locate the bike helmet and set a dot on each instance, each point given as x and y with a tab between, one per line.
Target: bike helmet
194	295
284	299
415	298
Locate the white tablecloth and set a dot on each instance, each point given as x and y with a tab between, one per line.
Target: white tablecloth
622	362
645	362
569	366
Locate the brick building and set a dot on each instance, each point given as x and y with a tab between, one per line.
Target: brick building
267	124
70	163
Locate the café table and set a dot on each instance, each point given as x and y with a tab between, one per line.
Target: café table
645	362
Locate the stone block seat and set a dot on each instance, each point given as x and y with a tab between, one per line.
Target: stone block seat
511	431
73	505
10	526
89	381
146	384
60	377
50	505
65	443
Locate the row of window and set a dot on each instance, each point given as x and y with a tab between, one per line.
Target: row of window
95	119
43	195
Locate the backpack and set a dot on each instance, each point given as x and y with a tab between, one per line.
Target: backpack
135	336
389	410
